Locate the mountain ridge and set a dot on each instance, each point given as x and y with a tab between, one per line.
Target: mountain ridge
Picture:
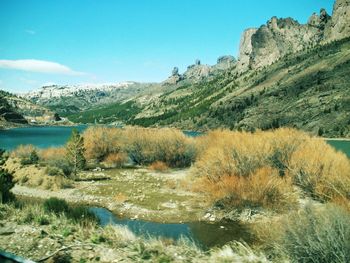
281	57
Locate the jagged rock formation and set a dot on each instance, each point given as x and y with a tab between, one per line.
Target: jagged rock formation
225	62
265	45
174	78
197	71
339	26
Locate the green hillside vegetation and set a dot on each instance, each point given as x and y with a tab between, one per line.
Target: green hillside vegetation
307	90
108	113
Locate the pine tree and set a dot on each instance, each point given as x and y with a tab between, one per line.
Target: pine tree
6	183
75	151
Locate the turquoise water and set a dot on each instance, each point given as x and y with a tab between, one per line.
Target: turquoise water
205	235
42	137
343	146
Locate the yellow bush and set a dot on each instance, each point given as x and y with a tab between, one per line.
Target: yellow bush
143	146
99	142
52	154
231	153
159	166
231	162
114	160
170	146
321	171
22	151
263	188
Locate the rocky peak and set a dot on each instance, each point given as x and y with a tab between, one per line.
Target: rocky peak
225	62
280	36
174	78
339	26
319	21
175	71
197	71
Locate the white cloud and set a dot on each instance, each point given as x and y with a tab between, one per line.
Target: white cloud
30	32
41	66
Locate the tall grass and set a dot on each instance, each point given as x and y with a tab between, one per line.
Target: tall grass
239	168
317	236
321	171
22	151
263	188
142	146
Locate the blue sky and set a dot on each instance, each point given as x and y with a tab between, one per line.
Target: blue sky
103	41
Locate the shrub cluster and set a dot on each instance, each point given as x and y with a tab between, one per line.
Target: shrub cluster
141	146
317	236
26	153
261	168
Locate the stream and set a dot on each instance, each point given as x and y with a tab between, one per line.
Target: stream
203	234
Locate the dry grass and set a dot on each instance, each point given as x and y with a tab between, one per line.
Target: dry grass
263	188
120	198
52	153
159	166
22	151
142	146
114	160
321	171
261	168
99	142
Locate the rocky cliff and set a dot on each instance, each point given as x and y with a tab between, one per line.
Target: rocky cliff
280	36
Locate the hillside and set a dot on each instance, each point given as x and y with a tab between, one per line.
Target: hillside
308	90
17	111
8	115
287	74
68	99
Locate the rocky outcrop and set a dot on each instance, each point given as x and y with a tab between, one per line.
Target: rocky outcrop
197	71
174	78
224	63
246	48
339	26
265	45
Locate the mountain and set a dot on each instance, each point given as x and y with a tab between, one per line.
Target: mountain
70	99
287	74
17	111
8	115
279	37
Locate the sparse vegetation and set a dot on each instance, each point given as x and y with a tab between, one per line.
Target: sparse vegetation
317	235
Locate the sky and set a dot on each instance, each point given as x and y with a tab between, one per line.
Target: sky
106	41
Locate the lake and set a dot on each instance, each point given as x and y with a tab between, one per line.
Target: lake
51	136
41	137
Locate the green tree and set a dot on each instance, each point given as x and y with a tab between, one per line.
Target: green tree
75	151
6	183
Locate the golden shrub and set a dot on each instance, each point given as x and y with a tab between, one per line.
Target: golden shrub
99	142
159	166
321	171
263	188
114	160
52	153
22	151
